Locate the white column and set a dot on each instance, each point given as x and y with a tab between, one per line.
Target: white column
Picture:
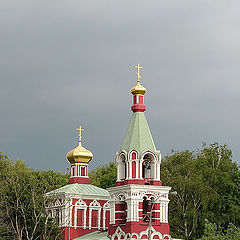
129	210
75	218
166	212
158	171
84	218
70	223
99	218
161	212
118	171
127	168
90	219
104	219
136	214
140	162
154	170
130	169
137	169
112	212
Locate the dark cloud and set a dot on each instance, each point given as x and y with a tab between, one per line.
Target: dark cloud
65	63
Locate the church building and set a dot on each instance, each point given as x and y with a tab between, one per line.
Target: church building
136	207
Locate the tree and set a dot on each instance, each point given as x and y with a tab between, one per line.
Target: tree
213	232
23	205
104	176
207	184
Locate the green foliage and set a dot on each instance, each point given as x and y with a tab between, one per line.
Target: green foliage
212	232
22	201
208	186
104	176
207	183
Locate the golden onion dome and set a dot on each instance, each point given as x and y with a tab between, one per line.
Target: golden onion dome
138	89
79	154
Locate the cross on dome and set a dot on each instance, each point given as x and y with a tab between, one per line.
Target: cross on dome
80	129
138	72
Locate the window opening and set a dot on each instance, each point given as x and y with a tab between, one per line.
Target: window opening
145	210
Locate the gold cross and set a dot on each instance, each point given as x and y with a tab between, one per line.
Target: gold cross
80	129
138	72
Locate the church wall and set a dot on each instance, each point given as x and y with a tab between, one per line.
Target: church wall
87	216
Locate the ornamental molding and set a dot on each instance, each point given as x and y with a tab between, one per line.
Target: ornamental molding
133	151
118	157
156	159
95	204
121	235
150	195
80	204
106	205
154	233
121	196
57	203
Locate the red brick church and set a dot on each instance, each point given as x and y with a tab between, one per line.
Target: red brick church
136	207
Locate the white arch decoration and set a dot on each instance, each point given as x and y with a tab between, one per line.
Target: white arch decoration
57	203
95	205
155	165
151	194
56	211
154	233
137	161
167	235
106	207
119	233
121	168
121	197
80	204
133	151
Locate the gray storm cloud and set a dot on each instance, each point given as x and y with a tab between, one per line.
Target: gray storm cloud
65	63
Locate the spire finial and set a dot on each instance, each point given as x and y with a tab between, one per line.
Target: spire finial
80	129
138	72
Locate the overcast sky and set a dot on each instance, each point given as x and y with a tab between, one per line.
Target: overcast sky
66	63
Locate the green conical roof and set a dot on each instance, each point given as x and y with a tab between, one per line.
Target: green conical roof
138	135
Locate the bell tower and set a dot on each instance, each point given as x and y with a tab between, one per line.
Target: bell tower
138	202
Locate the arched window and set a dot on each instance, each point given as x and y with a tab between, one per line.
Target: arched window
145	210
106	215
148	209
80	214
121	215
134	155
58	212
73	171
148	167
95	214
122	167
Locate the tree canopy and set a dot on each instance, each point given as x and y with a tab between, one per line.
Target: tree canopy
207	183
22	201
104	176
213	232
206	206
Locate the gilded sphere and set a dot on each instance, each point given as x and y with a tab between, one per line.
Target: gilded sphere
79	155
138	89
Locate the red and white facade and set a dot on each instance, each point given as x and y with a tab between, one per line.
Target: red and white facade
79	173
138	202
79	207
135	169
131	208
136	207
